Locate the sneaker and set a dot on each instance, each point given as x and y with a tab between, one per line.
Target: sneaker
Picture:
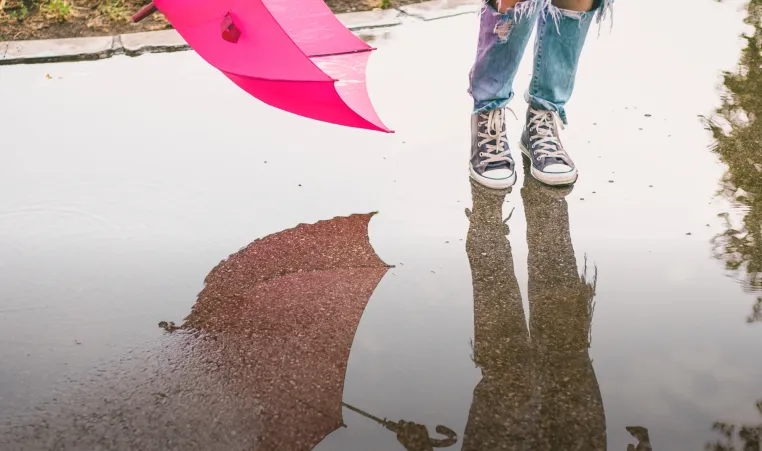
541	144
491	162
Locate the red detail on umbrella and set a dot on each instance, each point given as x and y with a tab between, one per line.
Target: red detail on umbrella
296	56
230	32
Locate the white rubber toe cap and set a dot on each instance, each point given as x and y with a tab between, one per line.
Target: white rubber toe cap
496	179
556	178
557	168
554	174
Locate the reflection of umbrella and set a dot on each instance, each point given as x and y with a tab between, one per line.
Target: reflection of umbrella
413	436
641	435
258	365
293	55
284	311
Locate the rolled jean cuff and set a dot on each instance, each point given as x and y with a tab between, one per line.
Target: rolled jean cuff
542	104
489	105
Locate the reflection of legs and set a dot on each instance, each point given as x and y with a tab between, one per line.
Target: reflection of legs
560	303
499	411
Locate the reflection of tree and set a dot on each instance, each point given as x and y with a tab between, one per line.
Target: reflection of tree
738	143
749	436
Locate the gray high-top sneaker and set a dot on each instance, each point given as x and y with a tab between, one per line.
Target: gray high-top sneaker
542	145
491	162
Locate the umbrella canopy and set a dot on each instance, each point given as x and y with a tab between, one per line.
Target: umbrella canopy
296	56
284	311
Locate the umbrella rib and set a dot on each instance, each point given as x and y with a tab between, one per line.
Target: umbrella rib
329	268
365	414
292	272
349	52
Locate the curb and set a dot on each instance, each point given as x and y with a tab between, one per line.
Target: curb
164	41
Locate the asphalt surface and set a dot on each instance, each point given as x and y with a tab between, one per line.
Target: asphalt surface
627	302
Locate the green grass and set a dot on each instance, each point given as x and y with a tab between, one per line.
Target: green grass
59	10
114	10
20	13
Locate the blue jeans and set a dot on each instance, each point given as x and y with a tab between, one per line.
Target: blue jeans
502	40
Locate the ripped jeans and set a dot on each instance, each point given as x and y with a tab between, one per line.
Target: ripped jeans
502	40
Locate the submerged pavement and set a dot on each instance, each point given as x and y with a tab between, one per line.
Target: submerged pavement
619	313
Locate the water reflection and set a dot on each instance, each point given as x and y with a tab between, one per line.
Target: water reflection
413	436
259	363
750	437
640	434
738	140
538	389
285	310
738	136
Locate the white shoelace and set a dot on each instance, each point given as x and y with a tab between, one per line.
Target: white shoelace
495	137
547	143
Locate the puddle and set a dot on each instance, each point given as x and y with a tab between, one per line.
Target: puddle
619	313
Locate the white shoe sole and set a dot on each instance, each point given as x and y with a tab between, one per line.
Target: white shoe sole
492	183
550	178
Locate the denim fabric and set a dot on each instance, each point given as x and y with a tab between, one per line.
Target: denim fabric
503	39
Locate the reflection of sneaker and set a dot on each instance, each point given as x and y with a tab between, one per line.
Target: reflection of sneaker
541	144
535	192
491	163
486	217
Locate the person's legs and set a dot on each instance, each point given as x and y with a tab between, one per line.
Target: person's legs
561	35
505	28
562	29
503	37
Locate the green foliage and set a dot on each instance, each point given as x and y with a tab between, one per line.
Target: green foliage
114	10
59	10
20	13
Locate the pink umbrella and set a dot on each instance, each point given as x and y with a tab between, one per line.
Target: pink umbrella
293	55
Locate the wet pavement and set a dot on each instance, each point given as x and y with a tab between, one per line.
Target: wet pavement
624	312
